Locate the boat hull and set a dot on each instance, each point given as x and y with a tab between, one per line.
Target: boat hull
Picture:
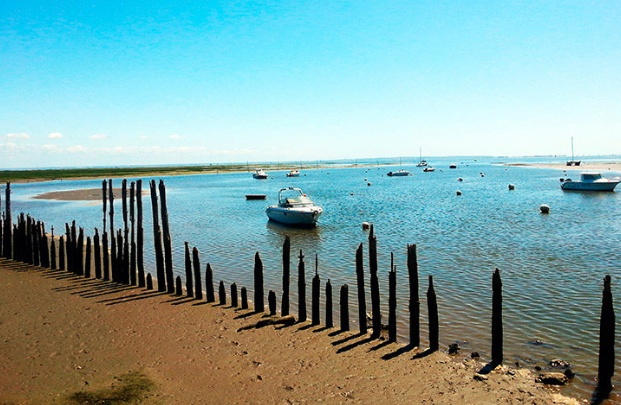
294	216
399	173
590	186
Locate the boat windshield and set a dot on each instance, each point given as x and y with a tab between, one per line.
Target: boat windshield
591	176
293	197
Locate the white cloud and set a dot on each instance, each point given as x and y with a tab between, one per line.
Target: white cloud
97	136
175	136
55	135
143	137
20	135
76	149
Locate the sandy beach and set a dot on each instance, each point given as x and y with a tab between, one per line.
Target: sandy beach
70	340
614	167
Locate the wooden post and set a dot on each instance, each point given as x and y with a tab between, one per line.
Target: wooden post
68	251
234	302
198	293
606	364
8	224
104	190
271	302
61	253
157	241
45	250
244	298
126	259
375	294
222	293
97	249
139	235
117	274
179	287
344	304
87	261
149	282
53	265
80	253
106	257
434	325
259	302
34	230
166	235
132	217
496	318
113	255
124	202
362	303
414	303
315	292
209	284
301	289
189	284
329	320
286	270
392	304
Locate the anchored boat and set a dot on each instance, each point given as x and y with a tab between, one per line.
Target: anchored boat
591	182
294	208
259	174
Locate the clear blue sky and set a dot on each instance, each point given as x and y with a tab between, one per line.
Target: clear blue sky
151	82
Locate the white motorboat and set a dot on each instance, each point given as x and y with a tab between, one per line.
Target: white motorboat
259	174
429	169
294	208
293	173
591	181
421	163
399	173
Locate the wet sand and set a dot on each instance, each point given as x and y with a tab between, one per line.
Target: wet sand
63	335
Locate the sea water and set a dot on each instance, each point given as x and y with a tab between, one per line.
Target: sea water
552	265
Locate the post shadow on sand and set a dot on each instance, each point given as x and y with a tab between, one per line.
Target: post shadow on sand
398	352
361	342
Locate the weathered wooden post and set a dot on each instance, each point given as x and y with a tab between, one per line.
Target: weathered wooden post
222	293
45	250
139	235
61	253
496	318
198	293
149	282
392	304
7	250
157	240
189	285
87	261
271	302
209	292
124	202
414	303
301	289
97	255
104	190
434	325
106	257
259	302
234	302
34	231
80	253
52	251
315	293
118	258
126	254
244	298
329	320
132	218
166	235
113	256
362	302
606	365
344	304
286	270
179	287
375	295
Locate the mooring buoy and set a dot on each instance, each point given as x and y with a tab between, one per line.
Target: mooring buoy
545	209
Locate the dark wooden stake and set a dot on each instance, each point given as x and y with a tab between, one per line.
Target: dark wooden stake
211	296
434	325
104	189
87	261
606	365
497	318
414	303
133	267
139	235
259	301
80	253
375	294
329	320
198	293
362	302
222	293
7	249
53	264
178	287
166	236
106	257
271	302
234	302
61	253
189	284
97	255
344	304
286	271
157	240
392	304
315	293
244	298
149	282
302	288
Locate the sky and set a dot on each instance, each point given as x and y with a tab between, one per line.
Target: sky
112	83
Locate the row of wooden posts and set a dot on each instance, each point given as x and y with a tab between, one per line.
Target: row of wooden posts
122	261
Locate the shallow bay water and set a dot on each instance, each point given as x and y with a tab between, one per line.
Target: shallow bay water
552	265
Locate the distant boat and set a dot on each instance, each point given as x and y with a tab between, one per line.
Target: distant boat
573	162
429	169
592	181
293	173
255	196
453	166
259	174
399	173
421	162
294	208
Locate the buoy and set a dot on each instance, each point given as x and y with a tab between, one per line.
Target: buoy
458	192
460	179
562	179
511	187
366	225
368	184
545	209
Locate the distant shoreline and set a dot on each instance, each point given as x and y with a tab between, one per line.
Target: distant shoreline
584	166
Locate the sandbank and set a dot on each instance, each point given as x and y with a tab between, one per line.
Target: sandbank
66	337
584	166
